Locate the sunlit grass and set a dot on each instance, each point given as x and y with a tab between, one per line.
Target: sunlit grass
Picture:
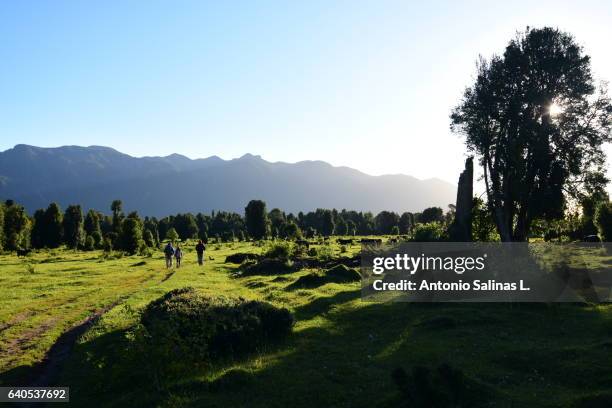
341	353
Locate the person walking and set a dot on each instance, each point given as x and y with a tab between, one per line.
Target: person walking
169	251
178	255
200	251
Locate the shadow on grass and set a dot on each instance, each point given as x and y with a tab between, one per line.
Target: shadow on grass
521	354
322	305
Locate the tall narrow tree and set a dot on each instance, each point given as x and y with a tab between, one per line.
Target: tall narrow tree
17	226
53	230
117	209
256	218
74	233
92	223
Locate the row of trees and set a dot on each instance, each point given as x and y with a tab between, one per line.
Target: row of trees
259	223
53	227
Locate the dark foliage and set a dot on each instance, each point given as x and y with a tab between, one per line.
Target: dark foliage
534	158
256	219
266	266
187	327
240	257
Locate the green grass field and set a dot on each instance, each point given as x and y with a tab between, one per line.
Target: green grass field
341	353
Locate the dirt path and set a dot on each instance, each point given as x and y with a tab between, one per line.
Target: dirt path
48	370
51	366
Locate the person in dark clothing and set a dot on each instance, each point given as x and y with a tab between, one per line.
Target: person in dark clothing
169	251
178	255
200	251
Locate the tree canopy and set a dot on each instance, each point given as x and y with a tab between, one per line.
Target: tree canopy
537	123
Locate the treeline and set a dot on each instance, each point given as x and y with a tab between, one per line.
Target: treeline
53	227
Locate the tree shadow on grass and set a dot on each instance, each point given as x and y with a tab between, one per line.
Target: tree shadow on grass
514	352
520	353
322	305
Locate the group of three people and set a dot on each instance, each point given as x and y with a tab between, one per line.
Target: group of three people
177	253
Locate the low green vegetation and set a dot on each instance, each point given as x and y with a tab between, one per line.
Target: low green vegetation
340	351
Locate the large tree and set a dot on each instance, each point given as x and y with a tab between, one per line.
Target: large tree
537	124
406	222
37	235
17	226
117	209
131	238
186	226
431	214
256	218
386	220
92	223
1	226
53	229
328	226
74	233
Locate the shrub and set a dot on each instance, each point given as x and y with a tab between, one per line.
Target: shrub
148	238
342	273
90	243
266	266
279	250
312	280
184	326
325	252
145	251
430	232
107	245
240	257
98	240
603	221
337	274
172	235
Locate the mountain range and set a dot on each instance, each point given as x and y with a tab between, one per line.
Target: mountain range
94	176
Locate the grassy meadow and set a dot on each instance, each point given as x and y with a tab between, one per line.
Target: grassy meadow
342	351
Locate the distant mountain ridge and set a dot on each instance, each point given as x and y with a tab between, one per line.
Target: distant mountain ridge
94	176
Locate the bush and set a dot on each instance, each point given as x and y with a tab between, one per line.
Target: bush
107	245
98	240
90	243
325	252
184	326
342	273
603	221
145	251
279	250
113	238
240	257
337	274
266	266
148	238
430	232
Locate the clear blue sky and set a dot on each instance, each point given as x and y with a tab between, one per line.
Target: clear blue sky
363	84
